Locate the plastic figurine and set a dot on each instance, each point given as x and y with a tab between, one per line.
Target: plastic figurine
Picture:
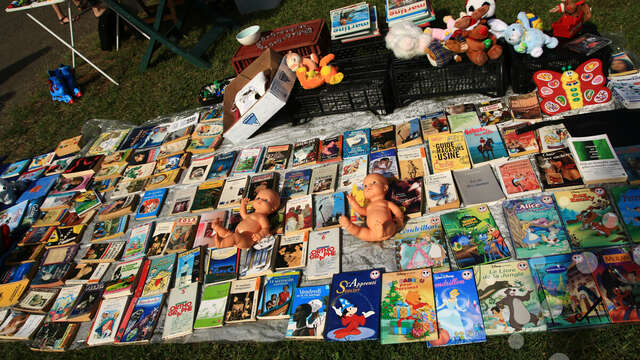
313	73
384	218
213	93
293	60
254	226
526	39
407	40
574	14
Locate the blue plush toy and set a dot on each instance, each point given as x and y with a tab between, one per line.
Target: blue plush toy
526	39
62	84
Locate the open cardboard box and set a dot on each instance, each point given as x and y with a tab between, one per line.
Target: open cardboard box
281	81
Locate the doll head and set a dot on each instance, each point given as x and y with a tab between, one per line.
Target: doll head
487	8
266	202
375	187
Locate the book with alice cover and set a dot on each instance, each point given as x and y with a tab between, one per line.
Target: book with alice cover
276	157
384	163
462	116
292	252
627	199
233	191
458	312
276	295
181	310
151	204
263	181
448	152
407	194
408	134
159	275
50	275
207	196
158	241
87	303
508	298
10	293
124	279
589	218
242	303
323	255
493	112
474	237
616	275
356	143
189	268
478	185
299	215
37	301
305	152
383	138
205	234
596	159
569	276
308	312
137	242
248	161
519	144
198	170
412	162
54	337
80	167
324	178
86	273
181	238
109	229
258	260
63	304
517	178
433	123
354	311
408	307
20	326
553	137
485	145
353	171
68	146
103	252
182	199
525	107
222	265
107	321
629	157
328	209
421	244
296	183
330	150
535	227
558	170
140	320
107	142
221	166
212	305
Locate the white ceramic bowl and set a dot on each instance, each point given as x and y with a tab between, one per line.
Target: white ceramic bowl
249	36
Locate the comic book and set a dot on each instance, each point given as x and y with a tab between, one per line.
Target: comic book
493	112
356	143
107	321
448	152
413	162
222	265
181	310
309	312
627	199
276	157
441	192
353	171
353	311
189	268
508	298
296	183
257	260
474	237
517	178
275	297
384	163
327	210
407	194
383	138
140	320
292	252
330	150
212	305
323	255
159	275
617	279
323	179
485	145
242	303
421	244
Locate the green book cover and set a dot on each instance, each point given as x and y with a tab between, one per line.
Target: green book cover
627	199
212	305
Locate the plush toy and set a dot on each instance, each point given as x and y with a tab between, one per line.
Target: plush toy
254	226
384	218
526	39
574	13
443	34
313	73
407	40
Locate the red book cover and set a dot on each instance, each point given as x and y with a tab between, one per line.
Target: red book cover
125	319
142	278
330	150
518	177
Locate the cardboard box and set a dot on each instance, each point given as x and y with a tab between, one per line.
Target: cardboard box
281	81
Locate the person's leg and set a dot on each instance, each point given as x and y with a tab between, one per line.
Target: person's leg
63	19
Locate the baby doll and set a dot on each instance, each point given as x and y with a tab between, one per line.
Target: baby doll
384	218
254	226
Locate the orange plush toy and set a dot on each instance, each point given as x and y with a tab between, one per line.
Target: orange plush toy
313	73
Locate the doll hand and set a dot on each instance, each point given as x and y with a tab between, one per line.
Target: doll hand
244	202
256	237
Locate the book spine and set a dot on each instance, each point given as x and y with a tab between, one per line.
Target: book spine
142	278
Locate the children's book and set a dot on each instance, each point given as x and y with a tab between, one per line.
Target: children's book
137	244
308	312
383	138
448	152
182	199
433	123
276	295
181	310
590	218
276	157
305	153
160	237
462	116
517	178
206	197
493	112
140	320
474	237
107	142
408	307
353	171
248	161
124	279
15	169
357	191
233	191
384	163
68	146
39	188
151	204
184	230
221	166
205	234
63	304
189	267
162	180
107	321
258	260
330	149
627	199
296	183
535	227
212	306
485	145
596	159
558	170
457	308
356	143
37	301
629	157
553	137
202	145
199	169
328	209
421	244
87	303
159	275
117	208
222	265
412	162
525	107
54	337
616	276
567	292
353	312
478	185
80	167
441	192
242	303
260	182
292	252
323	179
519	144
408	134
323	256
20	326
299	215
170	163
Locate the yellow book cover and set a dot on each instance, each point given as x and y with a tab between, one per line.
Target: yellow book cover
448	152
10	293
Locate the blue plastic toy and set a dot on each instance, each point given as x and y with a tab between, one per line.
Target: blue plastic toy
62	84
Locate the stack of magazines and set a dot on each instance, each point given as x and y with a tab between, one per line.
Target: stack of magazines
420	12
354	22
627	90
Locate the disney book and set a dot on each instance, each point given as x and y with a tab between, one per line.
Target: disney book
421	244
616	276
627	198
309	313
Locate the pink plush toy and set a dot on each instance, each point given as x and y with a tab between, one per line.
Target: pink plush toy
443	34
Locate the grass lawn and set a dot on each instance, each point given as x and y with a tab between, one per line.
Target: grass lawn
171	84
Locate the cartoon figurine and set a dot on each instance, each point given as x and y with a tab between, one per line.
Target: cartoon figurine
350	320
574	14
384	218
254	226
313	73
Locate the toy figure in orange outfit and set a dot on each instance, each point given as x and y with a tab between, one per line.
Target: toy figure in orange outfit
312	72
384	218
254	226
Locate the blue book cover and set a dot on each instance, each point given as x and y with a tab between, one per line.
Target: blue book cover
15	169
32	212
223	265
156	136
296	183
142	320
222	165
356	142
354	306
627	199
485	144
188	268
39	188
629	157
384	163
13	215
328	209
308	312
458	309
136	138
276	295
32	175
350	19
16	272
151	204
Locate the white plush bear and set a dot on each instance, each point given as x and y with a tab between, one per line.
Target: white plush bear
407	40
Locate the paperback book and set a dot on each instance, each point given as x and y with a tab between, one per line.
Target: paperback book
407	194
296	183
276	158
159	275
408	134
140	320
212	306
525	107
182	199
558	170
222	165
181	311
519	144
222	265
433	123
462	117
233	191
151	204
328	209
413	162
353	171
553	137
276	295
299	214
206	197
305	153
182	234
627	199
107	321
87	273
324	178
248	161
629	157
493	112
485	145
478	185
160	237
263	181
292	252
517	178
242	303
383	138
448	152
309	312
356	143
330	150
205	233
137	244
384	163
258	260
441	192
119	207
124	279
198	170
596	159
189	268
109	229
87	303
323	256
20	326
54	337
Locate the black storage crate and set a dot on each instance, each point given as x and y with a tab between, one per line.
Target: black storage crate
417	79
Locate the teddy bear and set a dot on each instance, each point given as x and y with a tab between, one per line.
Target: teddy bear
526	39
407	40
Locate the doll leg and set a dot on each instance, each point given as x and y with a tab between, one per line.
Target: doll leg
362	233
243	240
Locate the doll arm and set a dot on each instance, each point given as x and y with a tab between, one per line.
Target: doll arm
355	206
397	213
243	208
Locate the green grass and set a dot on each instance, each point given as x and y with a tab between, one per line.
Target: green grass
171	85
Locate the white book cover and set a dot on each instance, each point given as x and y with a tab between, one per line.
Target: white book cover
258	259
412	162
30	324
353	171
233	191
181	310
323	179
199	169
107	321
441	192
182	200
323	254
596	159
553	137
242	303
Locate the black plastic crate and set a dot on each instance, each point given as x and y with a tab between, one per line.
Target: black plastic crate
361	55
417	79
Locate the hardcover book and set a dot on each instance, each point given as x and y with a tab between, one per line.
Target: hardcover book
309	312
356	143
407	194
433	123
189	268
323	256
478	185
38	189
212	306
242	302
258	260
462	116
107	321
614	275
627	199
299	214
441	192
558	170
159	275
248	161
485	145
448	152
140	320
330	150
205	234
276	157
353	171
519	144
383	138
296	183
421	244
151	204
292	252
15	169
206	197
323	179
493	112
305	153
222	165
596	159
384	163
517	178
629	157
276	295
412	163
181	310
222	265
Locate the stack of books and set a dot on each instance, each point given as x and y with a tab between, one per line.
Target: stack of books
627	90
354	22
420	12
